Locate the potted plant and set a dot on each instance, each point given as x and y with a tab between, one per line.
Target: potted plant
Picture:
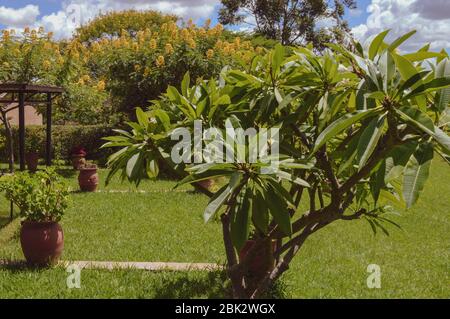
263	261
42	199
32	152
88	178
207	183
78	156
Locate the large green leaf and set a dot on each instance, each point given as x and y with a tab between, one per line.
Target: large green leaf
342	124
142	117
162	117
442	138
221	196
417	118
377	181
135	166
260	212
277	58
424	123
290	177
376	44
398	42
397	160
369	139
387	68
412	81
442	99
152	168
421	55
185	85
240	223
431	86
405	67
416	173
278	209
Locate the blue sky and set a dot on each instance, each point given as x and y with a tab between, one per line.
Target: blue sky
47	7
430	17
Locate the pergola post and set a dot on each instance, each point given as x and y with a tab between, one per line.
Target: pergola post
48	154
22	130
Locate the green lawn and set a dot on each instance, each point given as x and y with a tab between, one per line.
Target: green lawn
155	223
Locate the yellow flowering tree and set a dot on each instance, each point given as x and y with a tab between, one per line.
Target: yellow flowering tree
30	57
34	57
138	66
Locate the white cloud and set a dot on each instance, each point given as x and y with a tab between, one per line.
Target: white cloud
76	12
355	12
17	18
431	19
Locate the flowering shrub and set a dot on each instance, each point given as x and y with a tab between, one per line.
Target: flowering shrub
138	66
34	57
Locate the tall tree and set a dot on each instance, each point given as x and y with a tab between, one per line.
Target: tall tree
290	21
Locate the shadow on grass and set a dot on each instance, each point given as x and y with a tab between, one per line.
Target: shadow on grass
184	285
67	173
4	221
213	285
21	266
5	217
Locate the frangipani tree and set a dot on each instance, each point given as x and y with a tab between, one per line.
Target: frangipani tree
357	135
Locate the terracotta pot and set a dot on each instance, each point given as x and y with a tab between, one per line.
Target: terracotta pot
207	183
78	161
32	160
42	242
88	179
263	261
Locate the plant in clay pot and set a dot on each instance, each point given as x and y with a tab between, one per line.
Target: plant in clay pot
88	178
42	199
78	156
264	261
32	148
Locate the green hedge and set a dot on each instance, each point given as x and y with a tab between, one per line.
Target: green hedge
64	137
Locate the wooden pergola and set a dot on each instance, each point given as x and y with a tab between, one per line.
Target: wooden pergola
28	94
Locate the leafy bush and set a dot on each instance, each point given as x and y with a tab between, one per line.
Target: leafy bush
64	139
41	196
358	132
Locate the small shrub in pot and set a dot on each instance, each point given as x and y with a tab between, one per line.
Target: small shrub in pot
42	199
88	178
33	149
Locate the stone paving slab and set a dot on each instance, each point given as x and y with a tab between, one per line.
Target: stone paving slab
150	266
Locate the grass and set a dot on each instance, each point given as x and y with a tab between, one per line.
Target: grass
159	224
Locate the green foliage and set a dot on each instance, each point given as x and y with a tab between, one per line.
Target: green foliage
341	123
41	196
64	138
343	119
85	105
290	22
